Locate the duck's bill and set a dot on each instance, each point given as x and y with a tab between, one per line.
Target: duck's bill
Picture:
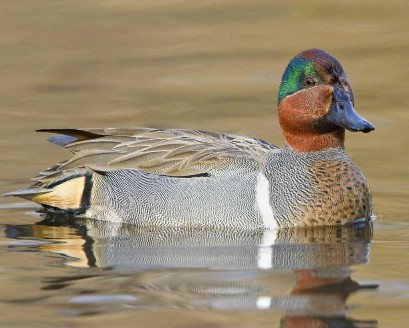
342	113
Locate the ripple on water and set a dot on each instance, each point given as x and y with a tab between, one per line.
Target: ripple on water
98	299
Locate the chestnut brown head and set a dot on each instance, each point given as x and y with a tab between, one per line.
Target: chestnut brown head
316	103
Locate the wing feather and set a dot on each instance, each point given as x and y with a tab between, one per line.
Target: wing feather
165	152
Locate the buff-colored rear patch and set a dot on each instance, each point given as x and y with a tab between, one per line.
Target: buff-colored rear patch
66	195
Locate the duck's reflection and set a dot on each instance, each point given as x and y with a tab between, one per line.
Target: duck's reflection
221	269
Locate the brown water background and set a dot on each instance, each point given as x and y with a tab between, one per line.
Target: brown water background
210	65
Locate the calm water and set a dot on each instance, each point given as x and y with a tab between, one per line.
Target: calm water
212	65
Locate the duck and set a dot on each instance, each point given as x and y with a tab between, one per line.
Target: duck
193	178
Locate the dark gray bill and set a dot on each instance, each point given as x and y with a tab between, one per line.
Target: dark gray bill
342	113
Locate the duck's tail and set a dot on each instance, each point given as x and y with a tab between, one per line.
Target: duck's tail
70	195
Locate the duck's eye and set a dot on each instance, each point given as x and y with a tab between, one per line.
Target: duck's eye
309	82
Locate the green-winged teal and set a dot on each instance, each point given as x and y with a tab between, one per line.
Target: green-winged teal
159	177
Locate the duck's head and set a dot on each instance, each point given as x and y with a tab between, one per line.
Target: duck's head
316	103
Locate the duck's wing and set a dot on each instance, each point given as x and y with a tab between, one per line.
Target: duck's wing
178	153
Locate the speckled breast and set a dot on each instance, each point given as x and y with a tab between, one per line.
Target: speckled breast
317	188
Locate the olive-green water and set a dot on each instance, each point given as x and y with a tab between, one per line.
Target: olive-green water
210	65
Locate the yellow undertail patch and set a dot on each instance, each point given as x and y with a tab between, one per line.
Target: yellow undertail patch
66	195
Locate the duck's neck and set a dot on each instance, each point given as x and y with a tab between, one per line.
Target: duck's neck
303	120
312	141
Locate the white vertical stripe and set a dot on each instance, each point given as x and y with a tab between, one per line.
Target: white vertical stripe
263	302
265	249
265	257
269	238
263	202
